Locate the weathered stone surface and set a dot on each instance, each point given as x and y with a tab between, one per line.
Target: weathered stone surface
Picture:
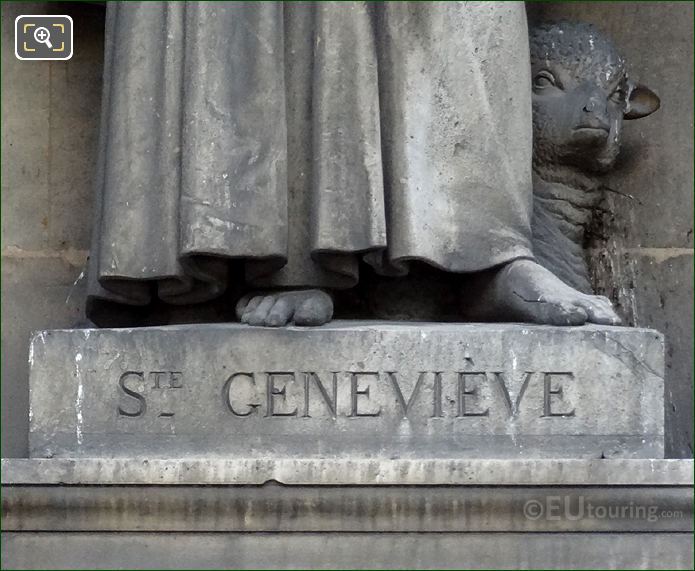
50	113
25	141
353	472
347	514
358	389
40	291
390	509
347	550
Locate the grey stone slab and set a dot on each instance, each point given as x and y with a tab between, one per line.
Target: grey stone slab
124	513
346	551
656	292
37	292
402	390
350	472
347	496
369	509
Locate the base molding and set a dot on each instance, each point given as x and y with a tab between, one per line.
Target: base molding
248	513
346	551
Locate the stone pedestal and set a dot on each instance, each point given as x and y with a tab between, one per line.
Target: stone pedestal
377	445
348	390
309	513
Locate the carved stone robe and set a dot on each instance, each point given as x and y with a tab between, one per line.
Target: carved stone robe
301	138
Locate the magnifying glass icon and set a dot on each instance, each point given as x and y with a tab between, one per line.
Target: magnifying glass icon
43	36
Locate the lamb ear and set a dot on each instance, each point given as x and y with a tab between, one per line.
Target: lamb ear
641	102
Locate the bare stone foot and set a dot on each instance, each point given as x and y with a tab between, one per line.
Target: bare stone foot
525	291
274	309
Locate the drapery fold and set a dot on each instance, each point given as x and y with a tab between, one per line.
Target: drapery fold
300	138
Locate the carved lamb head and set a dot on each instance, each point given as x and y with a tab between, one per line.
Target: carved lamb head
581	94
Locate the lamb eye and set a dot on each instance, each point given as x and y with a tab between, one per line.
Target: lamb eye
618	96
544	79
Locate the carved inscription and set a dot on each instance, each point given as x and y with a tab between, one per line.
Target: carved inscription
365	394
304	394
133	385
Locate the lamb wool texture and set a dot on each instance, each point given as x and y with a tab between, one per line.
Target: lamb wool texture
581	95
579	46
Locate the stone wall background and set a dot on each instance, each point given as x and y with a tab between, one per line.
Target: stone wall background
50	116
50	113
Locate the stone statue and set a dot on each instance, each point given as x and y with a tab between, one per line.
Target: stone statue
291	146
581	94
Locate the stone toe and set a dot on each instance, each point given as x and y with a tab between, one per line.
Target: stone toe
563	313
241	305
281	313
259	315
315	310
600	311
